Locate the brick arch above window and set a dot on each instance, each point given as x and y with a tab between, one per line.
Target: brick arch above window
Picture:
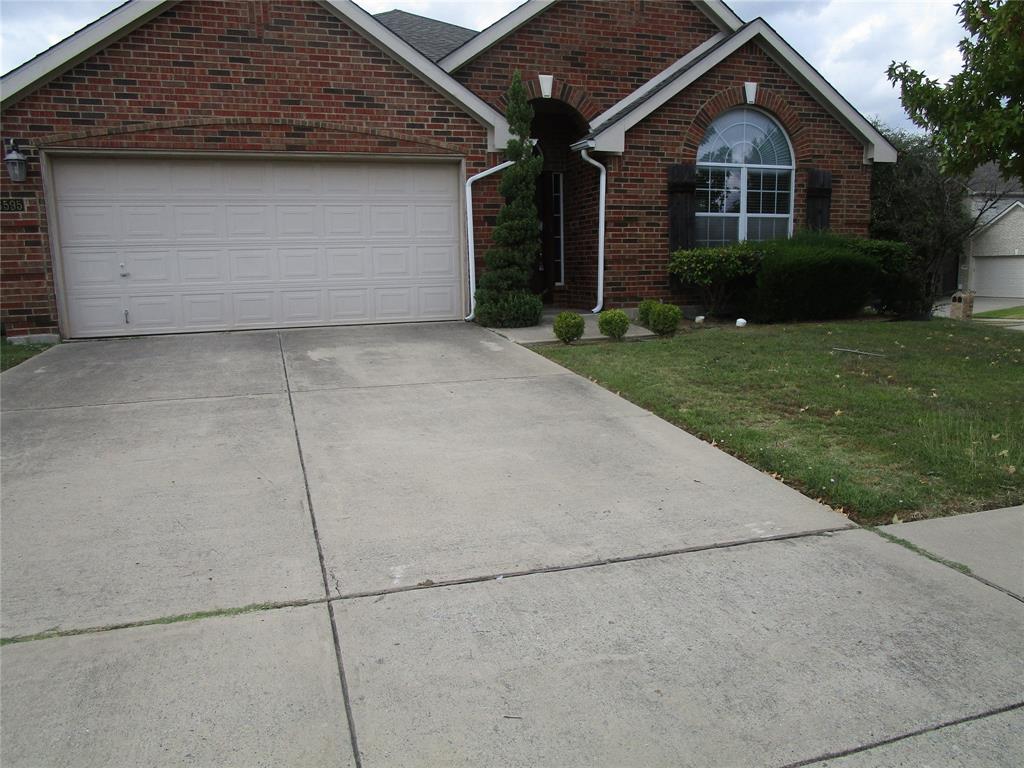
731	98
574	95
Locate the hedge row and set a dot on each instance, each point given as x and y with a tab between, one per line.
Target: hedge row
813	276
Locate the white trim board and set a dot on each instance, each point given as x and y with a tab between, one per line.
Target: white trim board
611	137
716	10
122	20
78	47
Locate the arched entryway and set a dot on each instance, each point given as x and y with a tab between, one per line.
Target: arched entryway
568	230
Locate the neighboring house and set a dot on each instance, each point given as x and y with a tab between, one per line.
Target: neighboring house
993	262
207	165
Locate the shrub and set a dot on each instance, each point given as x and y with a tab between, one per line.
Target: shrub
814	277
716	271
664	319
643	312
613	323
568	327
510	310
901	288
516	234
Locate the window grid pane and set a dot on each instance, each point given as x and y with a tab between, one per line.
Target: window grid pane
715	230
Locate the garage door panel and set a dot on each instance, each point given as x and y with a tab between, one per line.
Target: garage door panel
435	221
204	311
301	307
999	276
349	305
98	315
91	268
153	313
150	266
145	222
252	265
201	244
198	222
84	223
437	260
437	301
249	221
345	221
201	265
347	262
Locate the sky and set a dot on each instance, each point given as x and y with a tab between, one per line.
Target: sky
851	42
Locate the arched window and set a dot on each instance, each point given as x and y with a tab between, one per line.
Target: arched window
744	180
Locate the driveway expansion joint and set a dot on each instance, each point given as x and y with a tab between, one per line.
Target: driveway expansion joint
430	584
892	740
323	566
951	564
114	403
443	382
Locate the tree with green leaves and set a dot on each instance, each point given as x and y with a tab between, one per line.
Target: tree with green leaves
914	202
978	115
503	297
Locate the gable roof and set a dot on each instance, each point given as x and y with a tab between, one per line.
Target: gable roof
434	39
716	10
125	18
1016	205
609	131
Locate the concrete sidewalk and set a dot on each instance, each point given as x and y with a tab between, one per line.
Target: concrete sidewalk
426	545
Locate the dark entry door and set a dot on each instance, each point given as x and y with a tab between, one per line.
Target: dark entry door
550	266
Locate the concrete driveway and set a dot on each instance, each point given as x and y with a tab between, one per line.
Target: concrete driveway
424	545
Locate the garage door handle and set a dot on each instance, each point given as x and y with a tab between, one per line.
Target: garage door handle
124	272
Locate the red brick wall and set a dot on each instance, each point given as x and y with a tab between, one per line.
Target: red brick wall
637	212
233	75
599	52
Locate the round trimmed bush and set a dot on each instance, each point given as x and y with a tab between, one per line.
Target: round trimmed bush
613	323
643	311
568	327
664	319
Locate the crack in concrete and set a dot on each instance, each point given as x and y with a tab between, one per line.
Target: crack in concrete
911	734
323	566
143	402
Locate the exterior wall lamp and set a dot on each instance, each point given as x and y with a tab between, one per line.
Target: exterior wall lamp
17	166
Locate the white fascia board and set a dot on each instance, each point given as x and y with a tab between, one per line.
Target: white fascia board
424	68
658	79
78	47
494	33
718	11
877	148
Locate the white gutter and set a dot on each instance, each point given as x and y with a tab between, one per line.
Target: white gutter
469	233
600	224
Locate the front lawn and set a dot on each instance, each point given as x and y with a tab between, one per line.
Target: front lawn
12	354
1009	313
934	426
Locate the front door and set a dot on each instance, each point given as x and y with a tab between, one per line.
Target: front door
550	265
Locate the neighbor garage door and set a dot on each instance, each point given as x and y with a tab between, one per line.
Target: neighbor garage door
999	276
164	245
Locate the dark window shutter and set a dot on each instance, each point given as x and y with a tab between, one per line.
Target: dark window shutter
819	199
682	183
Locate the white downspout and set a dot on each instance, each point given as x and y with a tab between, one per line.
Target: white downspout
469	232
600	230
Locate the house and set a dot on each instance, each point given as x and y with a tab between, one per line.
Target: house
199	165
993	263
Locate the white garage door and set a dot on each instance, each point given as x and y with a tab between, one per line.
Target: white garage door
999	276
157	246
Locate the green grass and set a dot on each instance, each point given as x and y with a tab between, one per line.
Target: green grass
1008	313
934	427
12	354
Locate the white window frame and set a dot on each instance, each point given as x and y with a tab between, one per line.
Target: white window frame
741	230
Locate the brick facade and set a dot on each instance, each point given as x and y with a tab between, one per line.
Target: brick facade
218	76
289	77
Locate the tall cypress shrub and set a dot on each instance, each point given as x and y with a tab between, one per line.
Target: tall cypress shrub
503	297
